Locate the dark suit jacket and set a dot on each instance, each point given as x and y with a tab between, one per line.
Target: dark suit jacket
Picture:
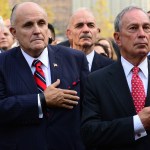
100	61
108	111
1	51
20	126
65	43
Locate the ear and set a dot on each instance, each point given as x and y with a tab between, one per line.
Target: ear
99	30
69	34
117	38
13	31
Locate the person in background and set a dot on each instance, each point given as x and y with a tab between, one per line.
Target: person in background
41	87
116	48
101	49
7	41
116	109
82	31
52	36
65	43
68	42
1	28
107	43
148	13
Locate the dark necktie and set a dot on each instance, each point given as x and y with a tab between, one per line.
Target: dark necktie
138	93
39	75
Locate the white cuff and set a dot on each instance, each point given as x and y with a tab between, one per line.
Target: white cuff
139	130
40	108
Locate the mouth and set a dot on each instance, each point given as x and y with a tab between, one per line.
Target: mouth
85	37
141	45
37	39
3	41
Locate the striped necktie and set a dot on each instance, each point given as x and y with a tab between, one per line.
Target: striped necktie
39	76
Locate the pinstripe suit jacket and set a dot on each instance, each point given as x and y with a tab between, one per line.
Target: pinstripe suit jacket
20	126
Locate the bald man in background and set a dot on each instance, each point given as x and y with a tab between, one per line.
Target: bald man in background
39	116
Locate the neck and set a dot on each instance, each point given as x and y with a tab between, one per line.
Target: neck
86	49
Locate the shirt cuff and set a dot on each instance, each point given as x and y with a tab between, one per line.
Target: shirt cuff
139	130
40	107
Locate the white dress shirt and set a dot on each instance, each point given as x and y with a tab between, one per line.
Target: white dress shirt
45	67
90	57
138	126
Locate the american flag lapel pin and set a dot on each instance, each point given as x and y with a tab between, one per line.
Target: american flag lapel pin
55	65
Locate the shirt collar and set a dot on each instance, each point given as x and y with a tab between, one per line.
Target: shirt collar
43	57
90	57
128	66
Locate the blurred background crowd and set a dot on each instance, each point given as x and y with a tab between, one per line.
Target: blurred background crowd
59	12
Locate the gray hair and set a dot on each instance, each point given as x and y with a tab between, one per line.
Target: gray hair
13	14
118	20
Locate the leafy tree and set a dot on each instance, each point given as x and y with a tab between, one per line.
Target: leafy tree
5	9
47	6
43	3
103	19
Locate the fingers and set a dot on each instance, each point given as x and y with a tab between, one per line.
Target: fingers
69	104
72	92
55	84
71	97
63	98
56	98
144	116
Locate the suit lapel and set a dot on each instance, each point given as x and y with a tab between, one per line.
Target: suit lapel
96	62
118	83
147	103
55	63
23	70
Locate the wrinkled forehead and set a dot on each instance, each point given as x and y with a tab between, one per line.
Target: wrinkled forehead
4	29
83	17
135	16
30	10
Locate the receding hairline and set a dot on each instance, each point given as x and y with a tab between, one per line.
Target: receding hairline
118	19
18	6
84	9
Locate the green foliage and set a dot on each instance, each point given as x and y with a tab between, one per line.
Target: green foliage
103	19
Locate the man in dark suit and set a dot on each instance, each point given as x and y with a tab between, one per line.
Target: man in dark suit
1	51
30	119
110	118
65	43
82	32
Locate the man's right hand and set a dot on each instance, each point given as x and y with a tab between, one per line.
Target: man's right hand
56	97
144	115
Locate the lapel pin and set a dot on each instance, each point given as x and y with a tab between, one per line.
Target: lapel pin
55	65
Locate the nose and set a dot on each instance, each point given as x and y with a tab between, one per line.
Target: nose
141	32
85	28
36	29
2	36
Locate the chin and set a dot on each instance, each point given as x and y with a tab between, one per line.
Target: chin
39	46
85	45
